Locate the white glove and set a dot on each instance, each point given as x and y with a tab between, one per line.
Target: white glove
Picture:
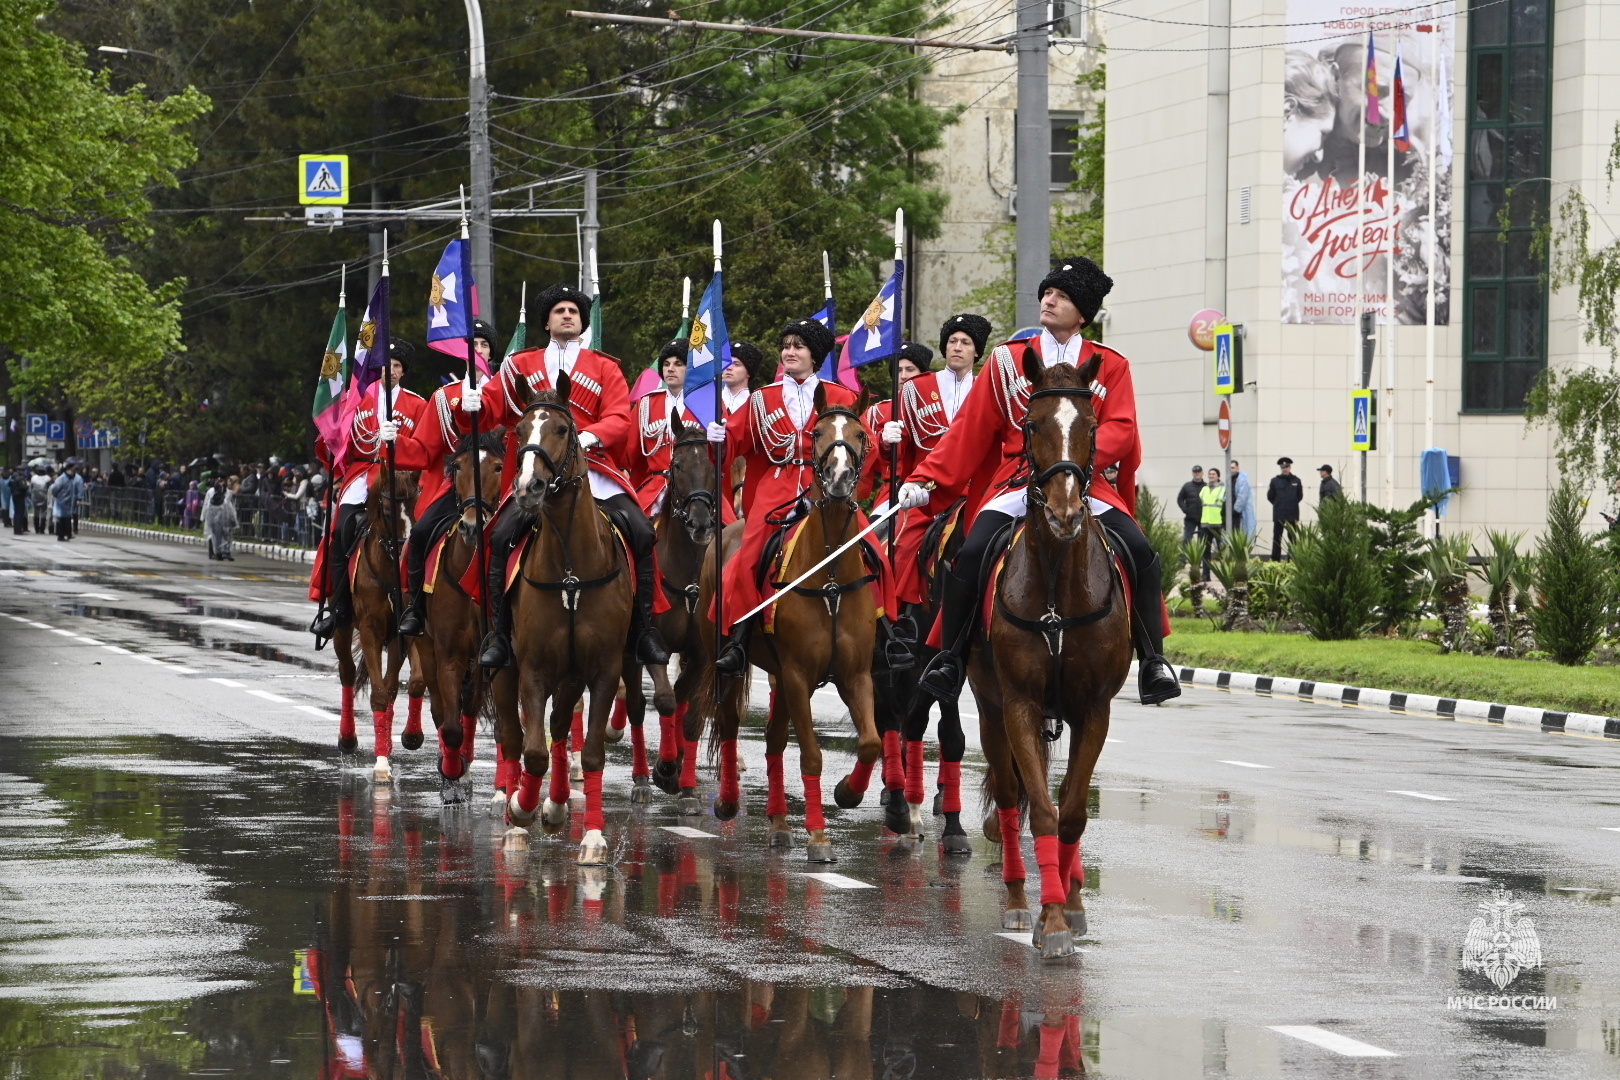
387	430
471	398
893	432
716	431
913	495
588	440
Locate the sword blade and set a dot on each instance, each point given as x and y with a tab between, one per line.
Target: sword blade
847	544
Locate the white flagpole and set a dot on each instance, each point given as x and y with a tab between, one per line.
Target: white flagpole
343	284
888	513
719	467
1357	366
686	299
1393	316
826	277
1429	240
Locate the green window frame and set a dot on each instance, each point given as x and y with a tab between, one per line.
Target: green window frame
1509	109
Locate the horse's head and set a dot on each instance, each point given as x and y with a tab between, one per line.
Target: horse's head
384	503
839	448
690	495
549	454
469	499
1060	434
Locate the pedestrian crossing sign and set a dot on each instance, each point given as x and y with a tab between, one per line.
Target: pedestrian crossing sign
1363	420
323	179
1228	358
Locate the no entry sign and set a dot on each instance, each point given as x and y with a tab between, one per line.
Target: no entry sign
1223	426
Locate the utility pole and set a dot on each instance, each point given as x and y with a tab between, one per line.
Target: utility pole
1033	164
590	225
483	251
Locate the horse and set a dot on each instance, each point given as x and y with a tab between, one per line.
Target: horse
570	612
448	652
832	625
686	524
1059	648
376	604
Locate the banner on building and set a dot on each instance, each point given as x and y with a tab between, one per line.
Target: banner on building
1325	102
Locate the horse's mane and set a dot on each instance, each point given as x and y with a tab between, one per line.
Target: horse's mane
488	441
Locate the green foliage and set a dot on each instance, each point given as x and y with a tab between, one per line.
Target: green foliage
1165	536
1268	591
1231	565
78	164
1336	584
1574	588
1397	548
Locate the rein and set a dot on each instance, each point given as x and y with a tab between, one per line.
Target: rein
682	513
560	478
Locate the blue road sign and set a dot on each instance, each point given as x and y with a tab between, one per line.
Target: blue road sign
323	179
56	432
34	423
1226	359
1363	422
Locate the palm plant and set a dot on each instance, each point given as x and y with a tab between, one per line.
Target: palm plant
1498	570
1231	568
1446	560
1193	588
1524	591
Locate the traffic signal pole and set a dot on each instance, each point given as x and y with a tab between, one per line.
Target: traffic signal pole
483	251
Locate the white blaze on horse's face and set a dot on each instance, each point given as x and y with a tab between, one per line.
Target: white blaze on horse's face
1065	507
1067	416
537	427
469	517
840	461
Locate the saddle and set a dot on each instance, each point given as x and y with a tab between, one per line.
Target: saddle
937	536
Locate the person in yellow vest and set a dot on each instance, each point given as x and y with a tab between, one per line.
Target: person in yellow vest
1212	522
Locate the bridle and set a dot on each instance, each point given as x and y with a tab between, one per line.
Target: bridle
682	511
819	464
561	478
1035	490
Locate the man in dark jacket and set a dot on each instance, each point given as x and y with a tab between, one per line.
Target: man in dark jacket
19	500
1331	489
1191	502
1285	494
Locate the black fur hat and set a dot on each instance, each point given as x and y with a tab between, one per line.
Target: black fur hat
812	333
556	294
749	356
1082	280
401	350
976	327
677	349
920	355
482	329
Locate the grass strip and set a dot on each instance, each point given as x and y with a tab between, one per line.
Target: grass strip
1413	667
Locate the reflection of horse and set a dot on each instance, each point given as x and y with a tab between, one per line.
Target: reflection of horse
448	652
570	613
828	628
1060	648
376	592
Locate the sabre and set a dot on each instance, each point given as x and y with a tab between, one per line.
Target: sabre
880	519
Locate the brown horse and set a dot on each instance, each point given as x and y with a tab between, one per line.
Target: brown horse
448	652
570	617
1059	649
376	622
828	626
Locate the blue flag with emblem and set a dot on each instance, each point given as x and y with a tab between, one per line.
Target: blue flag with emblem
453	303
708	350
877	335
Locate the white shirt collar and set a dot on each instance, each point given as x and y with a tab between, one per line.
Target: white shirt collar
1052	353
953	390
733	399
676	403
561	356
799	397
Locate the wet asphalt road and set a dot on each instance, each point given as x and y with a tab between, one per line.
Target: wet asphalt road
193	883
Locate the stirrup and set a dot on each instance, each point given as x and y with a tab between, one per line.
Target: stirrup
495	652
1156	681
412	623
733	659
323	626
942	678
650	647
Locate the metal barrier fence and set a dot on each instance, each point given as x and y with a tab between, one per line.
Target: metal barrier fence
275	519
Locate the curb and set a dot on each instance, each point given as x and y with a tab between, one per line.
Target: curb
1520	716
250	547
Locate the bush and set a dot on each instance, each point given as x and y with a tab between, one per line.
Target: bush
1335	584
1165	536
1572	581
1446	561
1268	590
1397	547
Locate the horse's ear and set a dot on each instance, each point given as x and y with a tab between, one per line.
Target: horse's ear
821	397
525	392
564	386
676	425
1034	366
1089	369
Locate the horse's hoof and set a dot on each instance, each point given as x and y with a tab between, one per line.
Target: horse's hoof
452	792
687	803
553	816
939	804
1077	922
1017	919
348	744
846	797
904	846
896	818
781	839
1057	944
667	776
411	740
576	771
383	772
497	802
956	844
593	849
883	797
516	814
992	829
820	852
641	794
915	829
725	811
515	839
613	734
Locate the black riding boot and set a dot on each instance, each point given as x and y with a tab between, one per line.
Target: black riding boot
942	678
427	528
496	648
1155	680
340	606
733	658
632	522
414	622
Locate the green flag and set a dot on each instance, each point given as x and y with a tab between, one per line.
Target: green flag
520	336
327	410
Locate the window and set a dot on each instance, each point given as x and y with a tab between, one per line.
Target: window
1065	138
1505	288
1068	18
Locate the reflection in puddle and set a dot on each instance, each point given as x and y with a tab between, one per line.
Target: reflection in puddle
204	637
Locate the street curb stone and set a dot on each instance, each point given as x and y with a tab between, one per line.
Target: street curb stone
1520	716
251	547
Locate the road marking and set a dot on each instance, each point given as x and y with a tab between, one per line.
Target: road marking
64	633
839	881
1244	764
98	596
1461	879
1574	888
232	683
117	649
1421	795
687	830
40	625
1610	828
1332	1040
226	622
147	659
268	696
88	640
313	710
1017	937
177	669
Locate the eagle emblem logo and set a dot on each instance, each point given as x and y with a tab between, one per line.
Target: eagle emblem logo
1501	942
330	363
368	334
874	315
700	334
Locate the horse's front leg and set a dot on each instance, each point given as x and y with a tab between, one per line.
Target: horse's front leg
1002	783
382	667
509	774
793	698
855	688
1085	747
554	814
733	699
776	807
343	649
635	709
528	698
593	846
1023	723
415	687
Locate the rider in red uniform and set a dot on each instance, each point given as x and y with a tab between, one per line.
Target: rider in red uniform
913	361
774	434
600	403
651	444
982	456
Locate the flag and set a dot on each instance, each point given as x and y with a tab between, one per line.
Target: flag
835	368
1442	127
453	303
327	411
370	354
709	350
520	337
877	335
1401	135
1375	115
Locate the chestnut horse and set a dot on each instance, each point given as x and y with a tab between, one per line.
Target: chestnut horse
376	623
448	652
828	627
570	618
1059	649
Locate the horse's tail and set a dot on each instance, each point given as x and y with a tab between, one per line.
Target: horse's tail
987	798
357	657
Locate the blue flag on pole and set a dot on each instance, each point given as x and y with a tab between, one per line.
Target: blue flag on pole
877	335
453	303
826	317
708	350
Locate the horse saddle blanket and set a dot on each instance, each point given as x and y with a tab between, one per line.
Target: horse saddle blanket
771	573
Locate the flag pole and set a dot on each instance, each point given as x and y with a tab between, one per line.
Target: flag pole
1435	135
894	363
388	414
720	489
686	302
331	477
1390	221
480	551
1360	377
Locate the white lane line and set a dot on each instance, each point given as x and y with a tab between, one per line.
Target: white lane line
1017	937
225	622
98	596
687	830
839	881
232	683
1332	1040
1244	764
1610	828
40	625
313	710
64	633
117	649
178	670
147	659
268	696
88	640
1422	795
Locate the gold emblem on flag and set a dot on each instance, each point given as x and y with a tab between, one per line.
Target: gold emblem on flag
874	314
368	334
436	292
330	363
700	334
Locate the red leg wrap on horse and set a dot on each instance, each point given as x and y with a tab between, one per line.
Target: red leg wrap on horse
860	777
669	890
894	762
730	786
621	714
775	786
729	893
450	764
1054	882
1011	1025
346	717
814	819
1069	862
950	782
1012	851
689	763
576	733
382	826
914	772
669	744
469	738
413	716
559	772
1046	1064
382	726
638	751
1070	1057
528	789
593	799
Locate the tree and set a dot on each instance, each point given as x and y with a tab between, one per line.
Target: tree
1574	584
79	159
1335	585
1397	550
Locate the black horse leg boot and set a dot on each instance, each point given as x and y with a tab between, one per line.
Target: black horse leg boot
1155	679
942	678
733	658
